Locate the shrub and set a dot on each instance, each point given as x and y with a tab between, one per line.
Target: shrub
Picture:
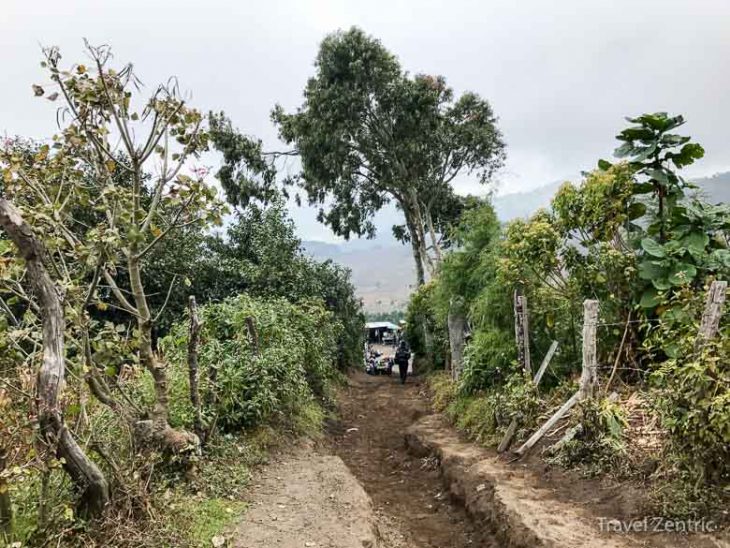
243	389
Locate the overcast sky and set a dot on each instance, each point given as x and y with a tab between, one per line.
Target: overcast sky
560	74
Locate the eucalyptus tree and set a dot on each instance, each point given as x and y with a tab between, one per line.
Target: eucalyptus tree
368	134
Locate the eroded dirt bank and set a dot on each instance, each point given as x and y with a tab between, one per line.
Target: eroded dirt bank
412	507
392	475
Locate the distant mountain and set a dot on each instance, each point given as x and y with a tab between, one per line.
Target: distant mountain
523	204
383	274
715	189
382	268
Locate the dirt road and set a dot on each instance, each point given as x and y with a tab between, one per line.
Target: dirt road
412	508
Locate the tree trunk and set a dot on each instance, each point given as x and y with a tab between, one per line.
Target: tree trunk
157	430
456	324
415	248
146	352
419	227
86	476
434	240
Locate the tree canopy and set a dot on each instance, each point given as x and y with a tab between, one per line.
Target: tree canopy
368	133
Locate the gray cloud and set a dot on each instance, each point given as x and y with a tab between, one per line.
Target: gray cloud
561	75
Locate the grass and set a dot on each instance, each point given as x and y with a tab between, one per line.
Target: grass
199	520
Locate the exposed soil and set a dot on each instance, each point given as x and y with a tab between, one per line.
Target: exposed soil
366	487
412	507
306	499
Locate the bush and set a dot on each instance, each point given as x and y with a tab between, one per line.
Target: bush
693	390
293	369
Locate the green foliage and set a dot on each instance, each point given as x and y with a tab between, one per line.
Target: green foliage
262	256
628	237
424	328
489	359
246	176
484	416
369	133
202	520
693	390
394	316
651	151
597	442
696	247
295	364
678	242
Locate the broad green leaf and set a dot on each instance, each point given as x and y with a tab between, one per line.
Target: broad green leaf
636	210
624	150
671	350
720	258
682	273
653	248
649	270
689	153
650	298
696	242
642	188
661	284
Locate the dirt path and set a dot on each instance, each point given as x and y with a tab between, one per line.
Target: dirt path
412	507
306	499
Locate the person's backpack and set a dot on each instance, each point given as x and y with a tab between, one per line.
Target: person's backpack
402	356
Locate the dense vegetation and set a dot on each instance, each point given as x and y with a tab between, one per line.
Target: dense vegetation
123	399
629	237
157	334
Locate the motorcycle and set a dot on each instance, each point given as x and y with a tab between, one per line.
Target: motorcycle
376	364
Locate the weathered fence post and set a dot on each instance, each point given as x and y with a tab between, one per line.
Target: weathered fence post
522	332
456	324
545	363
253	336
512	428
589	375
713	312
193	339
588	378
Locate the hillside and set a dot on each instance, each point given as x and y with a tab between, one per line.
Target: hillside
383	273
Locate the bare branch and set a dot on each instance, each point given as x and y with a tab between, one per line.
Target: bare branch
126	305
167	299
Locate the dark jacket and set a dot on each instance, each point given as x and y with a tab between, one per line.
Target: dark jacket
402	355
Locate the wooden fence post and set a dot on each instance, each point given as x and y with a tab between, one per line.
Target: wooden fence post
713	312
456	323
522	332
253	336
588	379
193	339
545	363
512	428
589	375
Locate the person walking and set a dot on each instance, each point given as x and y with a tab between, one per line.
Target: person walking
402	357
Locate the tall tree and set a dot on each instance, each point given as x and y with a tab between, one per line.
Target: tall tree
368	134
105	133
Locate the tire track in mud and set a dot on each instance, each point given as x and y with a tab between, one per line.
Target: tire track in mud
410	500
